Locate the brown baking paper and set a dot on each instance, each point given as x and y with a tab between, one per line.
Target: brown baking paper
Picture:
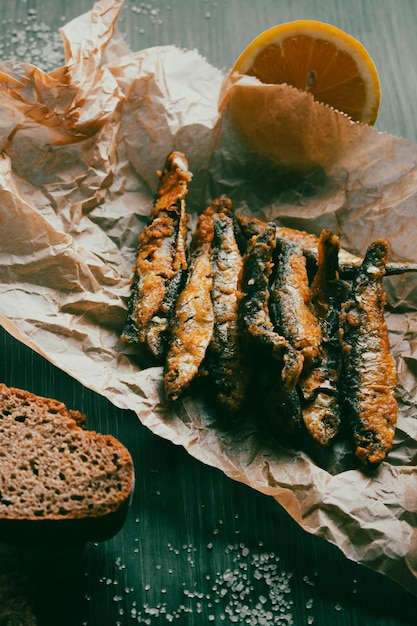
80	148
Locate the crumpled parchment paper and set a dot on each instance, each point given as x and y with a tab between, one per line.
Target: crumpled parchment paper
80	148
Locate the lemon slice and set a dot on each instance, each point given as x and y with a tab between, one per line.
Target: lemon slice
319	58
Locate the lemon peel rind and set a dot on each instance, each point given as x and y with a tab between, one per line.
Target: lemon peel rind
333	34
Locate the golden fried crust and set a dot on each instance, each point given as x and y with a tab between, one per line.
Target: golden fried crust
320	383
257	269
291	301
348	262
154	266
160	261
173	182
369	378
228	367
192	326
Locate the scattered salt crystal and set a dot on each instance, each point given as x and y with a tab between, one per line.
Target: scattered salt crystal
34	42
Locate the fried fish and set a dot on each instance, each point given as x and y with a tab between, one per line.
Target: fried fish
290	302
226	356
192	324
254	310
369	374
348	262
161	261
319	384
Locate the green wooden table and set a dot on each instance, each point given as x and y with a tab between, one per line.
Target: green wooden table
198	547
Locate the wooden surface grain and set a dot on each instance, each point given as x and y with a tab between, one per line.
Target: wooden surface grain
198	547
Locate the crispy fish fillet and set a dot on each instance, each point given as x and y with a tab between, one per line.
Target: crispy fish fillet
254	310
160	261
193	322
369	376
320	383
226	354
348	262
290	302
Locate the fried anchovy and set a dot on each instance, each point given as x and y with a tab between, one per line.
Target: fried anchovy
160	260
290	302
320	383
226	355
348	262
369	376
193	323
254	310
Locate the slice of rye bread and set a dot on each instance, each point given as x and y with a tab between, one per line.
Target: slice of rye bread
59	483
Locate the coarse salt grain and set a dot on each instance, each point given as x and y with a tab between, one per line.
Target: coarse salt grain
255	591
33	42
